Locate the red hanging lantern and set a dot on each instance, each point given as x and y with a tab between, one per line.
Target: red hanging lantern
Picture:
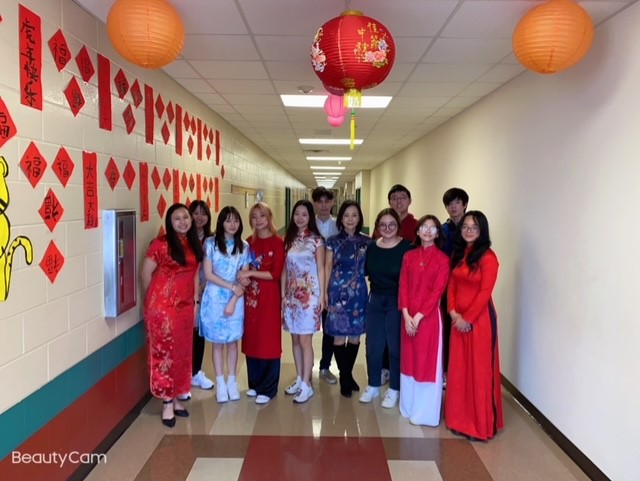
351	53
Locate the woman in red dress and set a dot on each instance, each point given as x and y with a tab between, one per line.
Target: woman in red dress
473	404
262	338
170	277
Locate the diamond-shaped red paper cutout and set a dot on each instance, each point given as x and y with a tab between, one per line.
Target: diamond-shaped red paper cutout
211	184
74	96
166	179
205	185
136	93
85	65
208	151
209	202
184	181
205	131
170	113
122	84
33	164
112	173
166	133
161	231
7	126
162	205
52	262
187	121
155	177
188	201
59	50
190	144
129	119
129	175
192	182
51	210
159	106
63	166
222	172
193	125
211	136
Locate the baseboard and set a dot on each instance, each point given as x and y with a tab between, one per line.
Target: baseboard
84	469
578	457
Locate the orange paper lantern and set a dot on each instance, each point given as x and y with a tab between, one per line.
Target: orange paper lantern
553	36
148	33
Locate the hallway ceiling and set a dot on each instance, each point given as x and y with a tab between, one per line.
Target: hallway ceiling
240	55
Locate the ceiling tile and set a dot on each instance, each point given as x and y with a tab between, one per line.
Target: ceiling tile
468	50
219	47
448	72
215	69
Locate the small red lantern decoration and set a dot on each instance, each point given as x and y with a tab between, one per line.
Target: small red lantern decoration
351	53
335	121
335	110
553	36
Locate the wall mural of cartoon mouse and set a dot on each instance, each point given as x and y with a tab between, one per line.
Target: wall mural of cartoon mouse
7	247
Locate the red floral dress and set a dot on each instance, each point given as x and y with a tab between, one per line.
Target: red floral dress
169	316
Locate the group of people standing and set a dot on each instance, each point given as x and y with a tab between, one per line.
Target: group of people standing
426	311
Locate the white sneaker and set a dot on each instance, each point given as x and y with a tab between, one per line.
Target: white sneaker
294	387
369	394
262	399
385	376
222	395
202	381
184	397
232	389
390	398
303	394
251	393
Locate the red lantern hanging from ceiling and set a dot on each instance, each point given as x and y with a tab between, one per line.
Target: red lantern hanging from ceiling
351	53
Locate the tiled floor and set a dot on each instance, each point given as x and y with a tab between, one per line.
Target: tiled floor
328	438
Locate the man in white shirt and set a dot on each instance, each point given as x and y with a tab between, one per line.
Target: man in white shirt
323	203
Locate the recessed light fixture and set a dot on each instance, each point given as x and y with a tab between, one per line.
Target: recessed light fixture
325	167
337	159
368	101
330	141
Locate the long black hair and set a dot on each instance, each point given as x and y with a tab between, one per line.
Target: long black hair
292	230
343	208
480	245
202	205
173	241
438	241
221	241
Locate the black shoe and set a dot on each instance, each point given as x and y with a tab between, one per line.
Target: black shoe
345	389
169	422
183	413
354	385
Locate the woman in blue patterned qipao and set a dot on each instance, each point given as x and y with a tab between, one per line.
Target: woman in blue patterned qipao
346	291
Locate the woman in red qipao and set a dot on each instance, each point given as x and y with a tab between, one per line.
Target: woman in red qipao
473	404
423	279
262	338
170	277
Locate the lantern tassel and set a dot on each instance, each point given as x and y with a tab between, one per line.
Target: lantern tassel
353	129
352	98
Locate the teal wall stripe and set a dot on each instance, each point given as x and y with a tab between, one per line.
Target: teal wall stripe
21	421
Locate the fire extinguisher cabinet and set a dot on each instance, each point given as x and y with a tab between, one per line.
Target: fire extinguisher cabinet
120	266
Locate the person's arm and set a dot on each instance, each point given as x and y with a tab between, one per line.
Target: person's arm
148	267
403	287
212	277
320	261
488	267
328	267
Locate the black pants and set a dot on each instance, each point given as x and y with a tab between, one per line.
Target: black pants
383	327
327	345
198	352
446	332
263	375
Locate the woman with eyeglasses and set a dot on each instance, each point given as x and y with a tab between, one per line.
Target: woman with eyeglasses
383	320
423	279
473	404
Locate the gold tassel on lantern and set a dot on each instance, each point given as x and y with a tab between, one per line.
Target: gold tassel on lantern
353	129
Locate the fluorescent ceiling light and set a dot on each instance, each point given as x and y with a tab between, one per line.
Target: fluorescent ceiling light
329	141
368	101
338	159
325	167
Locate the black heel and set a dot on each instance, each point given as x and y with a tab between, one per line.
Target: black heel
182	413
168	422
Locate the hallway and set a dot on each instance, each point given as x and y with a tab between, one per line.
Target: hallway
328	438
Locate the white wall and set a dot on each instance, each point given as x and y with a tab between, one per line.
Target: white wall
554	162
47	328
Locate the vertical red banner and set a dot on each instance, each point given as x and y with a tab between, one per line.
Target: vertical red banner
104	93
199	155
217	194
178	130
199	186
217	147
176	186
149	115
30	58
90	187
144	192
